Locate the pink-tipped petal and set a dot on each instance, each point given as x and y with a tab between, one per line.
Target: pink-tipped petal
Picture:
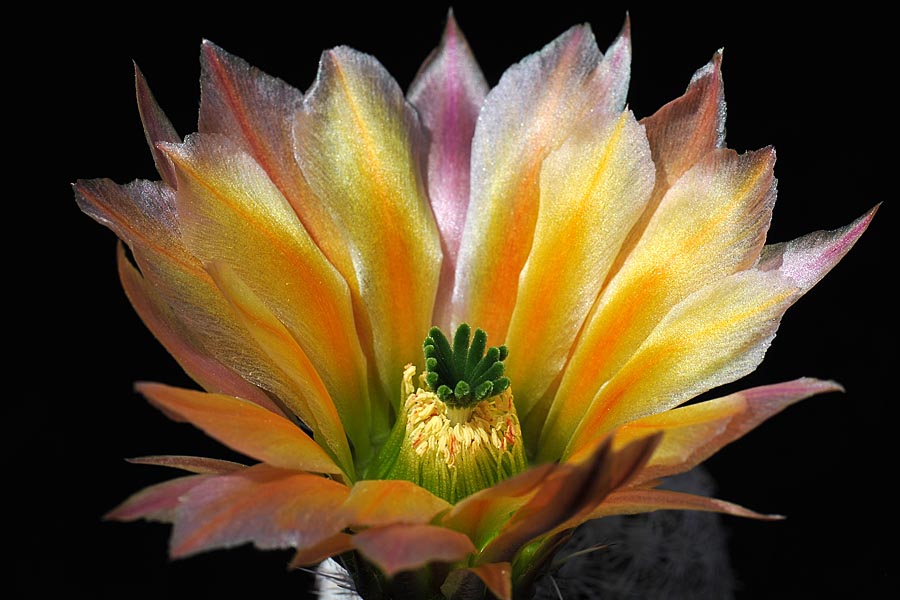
231	213
448	93
396	548
637	501
694	433
681	133
361	147
711	223
715	336
157	502
157	127
184	345
256	111
192	464
538	103
271	507
592	189
807	259
244	427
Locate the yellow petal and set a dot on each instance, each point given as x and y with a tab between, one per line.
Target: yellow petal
184	345
681	133
530	112
244	427
592	189
360	146
310	399
715	336
256	111
711	223
231	213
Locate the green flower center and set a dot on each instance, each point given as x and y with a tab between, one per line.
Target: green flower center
458	431
464	375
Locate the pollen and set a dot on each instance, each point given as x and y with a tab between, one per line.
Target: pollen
452	451
434	427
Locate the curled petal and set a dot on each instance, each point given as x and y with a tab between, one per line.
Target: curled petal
271	507
396	548
313	555
482	514
244	426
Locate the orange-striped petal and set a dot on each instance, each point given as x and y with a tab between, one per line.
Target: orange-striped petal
184	345
448	93
361	148
231	213
536	105
310	400
592	189
173	295
256	111
385	502
271	507
244	427
396	548
715	336
711	223
680	134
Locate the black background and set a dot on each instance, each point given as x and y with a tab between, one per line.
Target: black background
812	85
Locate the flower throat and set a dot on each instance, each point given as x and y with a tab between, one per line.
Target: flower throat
458	432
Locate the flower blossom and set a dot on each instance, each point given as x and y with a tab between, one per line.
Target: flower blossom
300	248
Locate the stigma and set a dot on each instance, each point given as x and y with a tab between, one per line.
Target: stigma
457	430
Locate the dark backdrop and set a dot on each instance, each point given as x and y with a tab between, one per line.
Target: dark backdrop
811	85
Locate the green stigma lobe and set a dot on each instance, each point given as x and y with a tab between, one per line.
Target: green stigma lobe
464	374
